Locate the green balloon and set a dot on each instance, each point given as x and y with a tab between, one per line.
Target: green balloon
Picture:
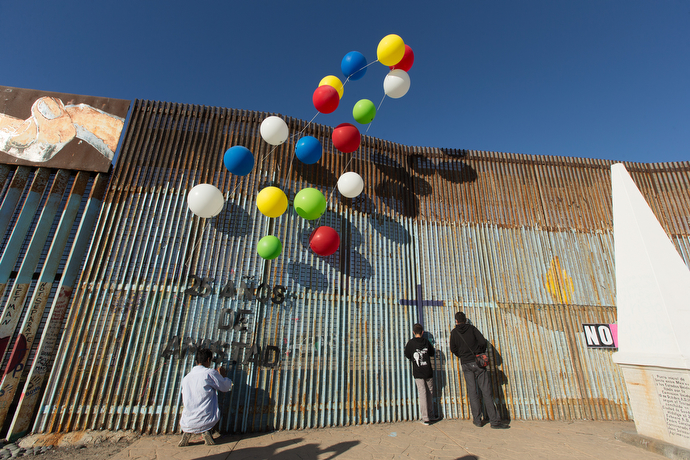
269	247
364	111
310	203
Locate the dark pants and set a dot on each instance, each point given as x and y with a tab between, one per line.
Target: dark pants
478	381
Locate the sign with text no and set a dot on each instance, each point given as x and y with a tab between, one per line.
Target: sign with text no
601	335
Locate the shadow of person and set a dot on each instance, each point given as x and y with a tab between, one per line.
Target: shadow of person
281	450
248	406
498	379
439	361
271	451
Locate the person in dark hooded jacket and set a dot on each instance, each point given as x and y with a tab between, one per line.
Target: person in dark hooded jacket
420	351
466	342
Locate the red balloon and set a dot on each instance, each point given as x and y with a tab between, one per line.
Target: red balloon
346	138
324	241
407	60
326	99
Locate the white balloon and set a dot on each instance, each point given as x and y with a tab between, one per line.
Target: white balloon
350	184
205	200
274	130
396	84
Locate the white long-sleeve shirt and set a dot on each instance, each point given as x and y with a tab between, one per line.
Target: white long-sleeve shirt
200	399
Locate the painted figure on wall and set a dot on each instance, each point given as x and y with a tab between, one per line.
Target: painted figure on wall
52	125
59	130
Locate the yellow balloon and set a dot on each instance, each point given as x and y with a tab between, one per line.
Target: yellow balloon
391	50
335	82
272	202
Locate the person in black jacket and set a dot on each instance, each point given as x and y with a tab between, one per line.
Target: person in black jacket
419	351
466	342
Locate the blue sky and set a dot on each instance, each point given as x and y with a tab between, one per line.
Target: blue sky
598	79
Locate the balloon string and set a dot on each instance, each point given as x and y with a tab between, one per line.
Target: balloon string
233	190
371	63
377	109
292	158
287	176
348	163
307	125
292	137
201	237
380	103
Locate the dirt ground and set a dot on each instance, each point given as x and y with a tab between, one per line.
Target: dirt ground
85	452
82	445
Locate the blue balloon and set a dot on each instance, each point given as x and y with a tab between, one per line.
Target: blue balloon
308	149
354	65
239	160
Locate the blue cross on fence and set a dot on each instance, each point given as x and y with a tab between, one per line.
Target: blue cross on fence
421	303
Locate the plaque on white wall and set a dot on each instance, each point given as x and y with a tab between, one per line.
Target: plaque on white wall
674	397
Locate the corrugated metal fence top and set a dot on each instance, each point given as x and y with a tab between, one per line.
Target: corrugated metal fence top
513	190
523	243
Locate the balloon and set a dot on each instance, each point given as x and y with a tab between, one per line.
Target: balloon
324	241
274	130
269	247
333	81
346	138
325	99
310	203
391	50
396	84
205	200
308	149
272	202
354	65
350	184
364	111
407	60
239	160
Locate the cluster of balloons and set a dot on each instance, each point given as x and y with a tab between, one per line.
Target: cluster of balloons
205	200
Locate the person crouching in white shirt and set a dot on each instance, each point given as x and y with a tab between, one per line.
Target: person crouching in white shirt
200	398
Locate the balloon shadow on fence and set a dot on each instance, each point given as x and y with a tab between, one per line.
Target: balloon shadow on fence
233	220
316	174
454	171
308	276
385	225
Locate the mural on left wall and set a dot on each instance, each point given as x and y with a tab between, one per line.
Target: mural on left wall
59	130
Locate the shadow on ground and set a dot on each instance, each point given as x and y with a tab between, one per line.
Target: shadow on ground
282	449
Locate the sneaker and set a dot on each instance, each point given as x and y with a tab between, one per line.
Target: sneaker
426	422
500	426
208	438
184	442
